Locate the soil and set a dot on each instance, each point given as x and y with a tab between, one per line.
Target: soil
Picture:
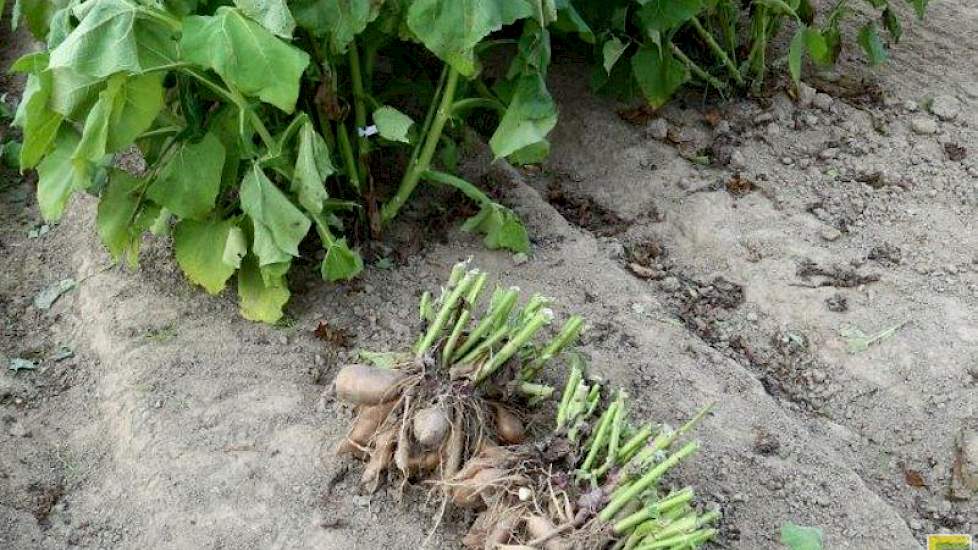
756	280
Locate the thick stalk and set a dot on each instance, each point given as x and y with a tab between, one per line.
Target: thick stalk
346	151
569	391
697	70
651	511
572	328
359	110
421	164
511	347
717	50
447	308
646	481
604	426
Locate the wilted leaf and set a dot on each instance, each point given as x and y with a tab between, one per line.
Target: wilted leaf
871	43
452	28
279	226
256	300
274	15
189	183
312	167
528	119
18	364
913	478
246	55
339	20
46	298
199	249
501	227
337	336
800	537
611	52
56	178
235	248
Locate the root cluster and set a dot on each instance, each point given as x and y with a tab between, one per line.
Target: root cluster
453	413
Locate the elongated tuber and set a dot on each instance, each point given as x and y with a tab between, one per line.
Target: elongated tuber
366	385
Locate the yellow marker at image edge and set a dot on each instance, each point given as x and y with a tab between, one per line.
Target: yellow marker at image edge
949	542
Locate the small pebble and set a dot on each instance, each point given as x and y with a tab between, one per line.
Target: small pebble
657	129
830	233
945	107
823	101
924	126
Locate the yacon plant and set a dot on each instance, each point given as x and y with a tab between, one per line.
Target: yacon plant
246	127
654	47
465	411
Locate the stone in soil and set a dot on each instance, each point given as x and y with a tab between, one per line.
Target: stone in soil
924	126
945	107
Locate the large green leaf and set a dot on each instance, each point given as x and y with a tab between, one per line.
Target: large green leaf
56	179
452	28
122	217
664	15
274	15
338	20
312	167
658	74
199	249
104	42
39	123
279	226
38	14
72	94
256	300
528	119
125	108
869	40
189	183
501	227
247	56
136	106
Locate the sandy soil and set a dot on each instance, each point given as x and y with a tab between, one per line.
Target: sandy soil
175	424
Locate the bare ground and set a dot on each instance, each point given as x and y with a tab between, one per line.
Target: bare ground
178	425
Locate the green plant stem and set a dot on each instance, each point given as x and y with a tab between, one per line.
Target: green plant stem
463	318
429	115
600	436
534	391
718	50
646	481
421	164
478	102
500	311
447	308
700	72
359	110
650	512
689	540
569	333
635	443
570	390
470	190
515	343
346	151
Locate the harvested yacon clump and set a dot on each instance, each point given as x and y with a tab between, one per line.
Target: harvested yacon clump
453	413
462	391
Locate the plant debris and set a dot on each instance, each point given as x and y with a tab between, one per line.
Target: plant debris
337	336
835	276
47	297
